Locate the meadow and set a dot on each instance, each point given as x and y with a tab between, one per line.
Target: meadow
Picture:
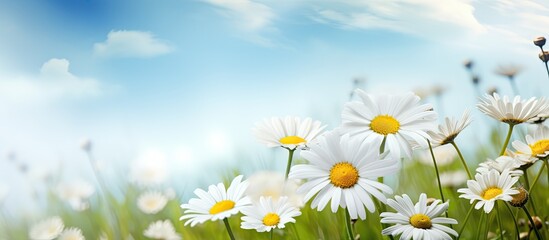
354	172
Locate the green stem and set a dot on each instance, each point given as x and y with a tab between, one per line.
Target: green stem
226	221
438	176
527	183
517	232
514	86
382	146
499	221
382	207
289	165
296	232
103	192
272	230
465	222
511	126
348	225
547	167
487	228
462	160
479	227
532	222
537	177
547	68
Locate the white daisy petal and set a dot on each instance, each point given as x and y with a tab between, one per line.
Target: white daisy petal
224	206
413	222
397	118
288	132
488	187
515	112
265	217
344	183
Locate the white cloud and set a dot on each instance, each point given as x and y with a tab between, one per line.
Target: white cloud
253	20
427	18
54	82
247	14
126	43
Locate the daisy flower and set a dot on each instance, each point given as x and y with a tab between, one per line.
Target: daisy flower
512	112
272	184
71	234
217	203
489	187
399	119
536	146
150	169
151	202
419	221
268	215
76	193
445	155
449	130
288	132
345	171
500	164
47	229
161	230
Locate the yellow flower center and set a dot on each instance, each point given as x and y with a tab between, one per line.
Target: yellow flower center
271	219
222	206
343	175
421	221
491	193
540	147
292	140
385	124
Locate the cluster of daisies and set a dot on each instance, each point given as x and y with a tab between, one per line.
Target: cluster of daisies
147	174
346	166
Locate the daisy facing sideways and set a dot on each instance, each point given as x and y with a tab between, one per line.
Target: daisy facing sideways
288	132
419	221
536	146
512	112
71	234
47	229
269	214
399	119
161	230
345	171
449	130
217	203
488	187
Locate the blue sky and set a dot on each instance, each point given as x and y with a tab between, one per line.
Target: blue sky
190	78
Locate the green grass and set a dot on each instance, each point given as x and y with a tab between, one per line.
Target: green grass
414	178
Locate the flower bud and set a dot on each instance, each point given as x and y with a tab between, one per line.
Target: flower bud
86	144
468	64
539	41
476	79
524	235
537	222
520	199
544	56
